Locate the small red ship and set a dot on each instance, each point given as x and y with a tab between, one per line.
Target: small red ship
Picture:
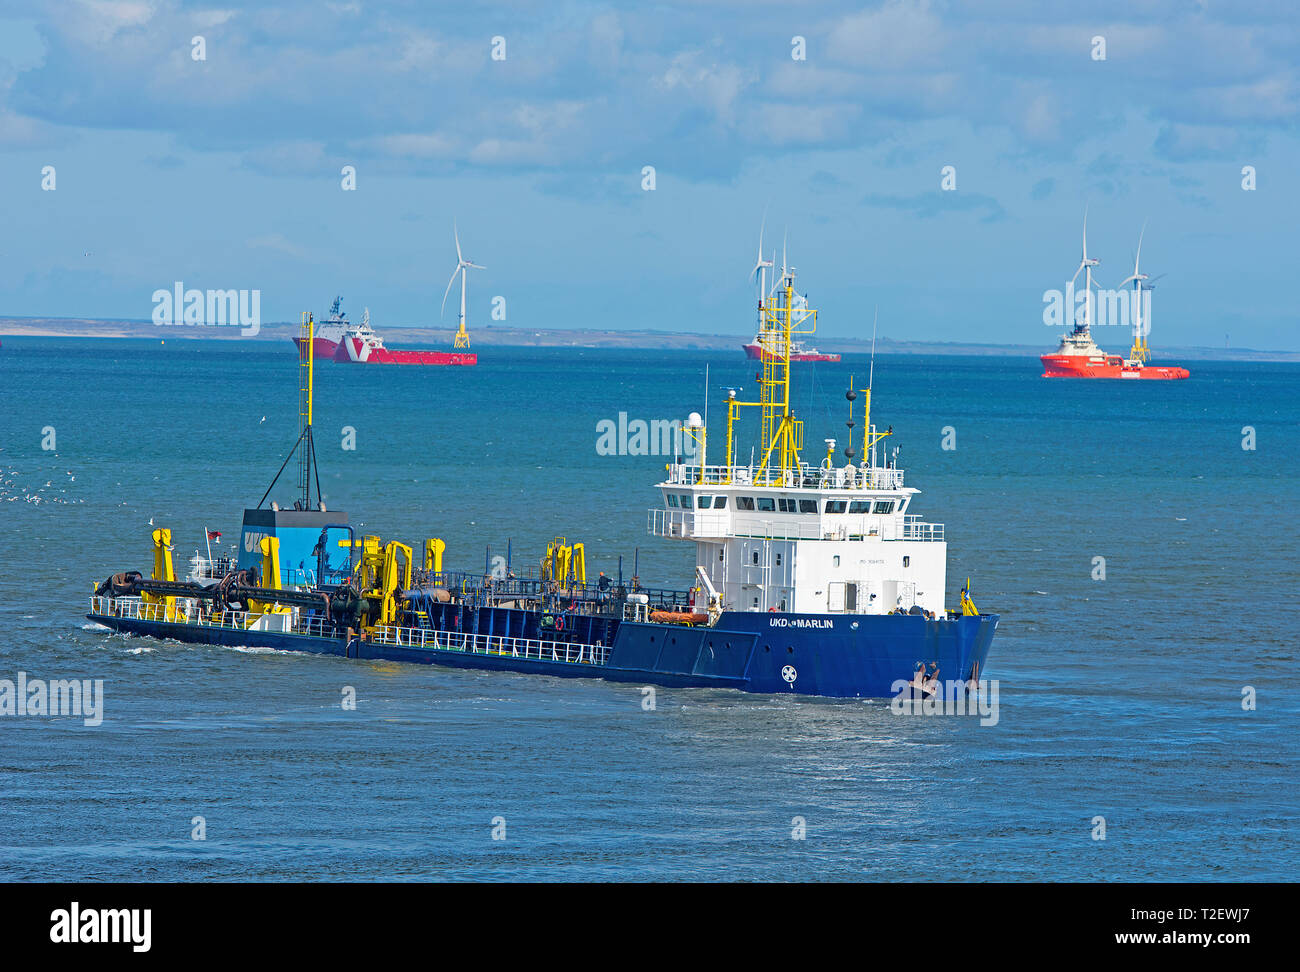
329	333
362	345
340	340
1079	356
756	349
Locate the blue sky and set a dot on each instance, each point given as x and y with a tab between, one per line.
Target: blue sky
225	173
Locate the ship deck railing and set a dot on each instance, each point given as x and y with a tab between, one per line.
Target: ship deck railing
708	524
536	594
189	611
856	478
533	649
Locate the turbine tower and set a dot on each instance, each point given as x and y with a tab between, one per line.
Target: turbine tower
462	266
1085	267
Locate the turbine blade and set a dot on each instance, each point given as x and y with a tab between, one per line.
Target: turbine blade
456	233
448	290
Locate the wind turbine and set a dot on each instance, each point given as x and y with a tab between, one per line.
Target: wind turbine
1142	284
1085	267
462	265
759	272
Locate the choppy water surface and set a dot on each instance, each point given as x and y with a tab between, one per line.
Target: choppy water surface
1119	698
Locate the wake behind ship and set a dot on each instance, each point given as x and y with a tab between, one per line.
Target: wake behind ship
813	577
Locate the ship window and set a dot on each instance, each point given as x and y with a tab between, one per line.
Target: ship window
766	504
807	506
719	502
835	561
860	506
755	556
885	506
686	501
787	505
704	502
907	561
744	502
778	560
755	602
672	499
835	506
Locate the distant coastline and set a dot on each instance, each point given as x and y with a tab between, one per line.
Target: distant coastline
497	336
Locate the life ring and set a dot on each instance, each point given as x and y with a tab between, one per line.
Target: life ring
559	623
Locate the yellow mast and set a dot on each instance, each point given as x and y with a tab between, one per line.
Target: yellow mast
306	384
781	436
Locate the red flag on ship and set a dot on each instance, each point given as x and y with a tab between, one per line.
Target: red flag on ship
214	535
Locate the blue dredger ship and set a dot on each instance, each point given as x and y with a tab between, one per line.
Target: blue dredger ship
809	578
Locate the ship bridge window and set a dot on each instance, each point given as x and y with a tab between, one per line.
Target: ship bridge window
766	504
719	502
860	506
672	499
836	506
787	505
744	502
884	506
807	506
704	502
686	500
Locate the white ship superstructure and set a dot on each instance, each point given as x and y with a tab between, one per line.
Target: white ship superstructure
784	535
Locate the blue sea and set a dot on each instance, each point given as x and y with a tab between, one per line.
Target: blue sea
1119	698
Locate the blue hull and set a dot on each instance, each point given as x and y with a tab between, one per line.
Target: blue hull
844	656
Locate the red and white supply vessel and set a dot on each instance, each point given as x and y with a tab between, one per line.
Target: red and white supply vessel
1079	356
329	333
361	345
798	352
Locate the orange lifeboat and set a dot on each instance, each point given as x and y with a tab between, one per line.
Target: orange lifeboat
679	617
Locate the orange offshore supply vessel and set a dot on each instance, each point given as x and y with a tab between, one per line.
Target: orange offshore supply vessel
1078	355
